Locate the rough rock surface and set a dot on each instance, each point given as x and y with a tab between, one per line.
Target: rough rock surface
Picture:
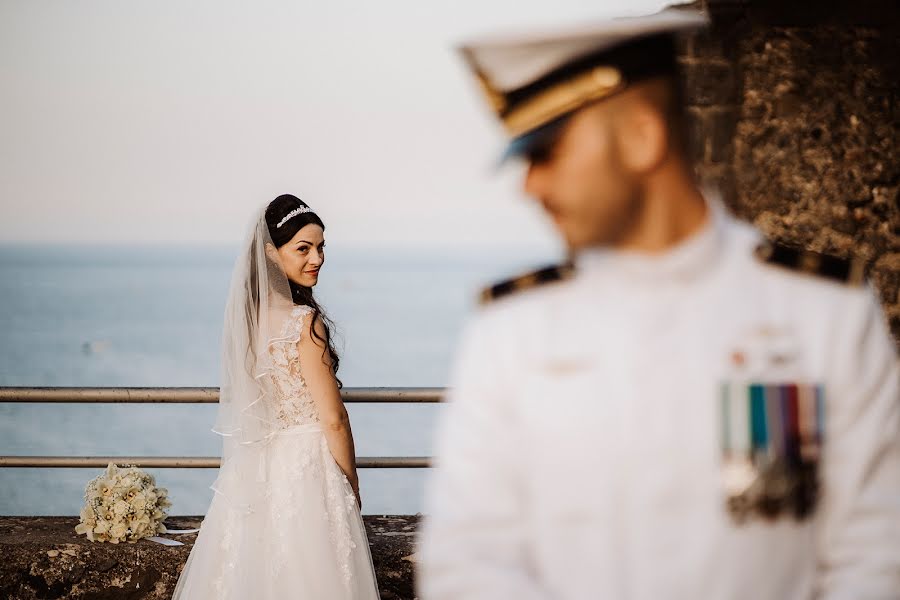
817	162
795	115
43	557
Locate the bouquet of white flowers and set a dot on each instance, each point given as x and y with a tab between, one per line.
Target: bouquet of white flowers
123	505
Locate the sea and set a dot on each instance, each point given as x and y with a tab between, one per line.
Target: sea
151	316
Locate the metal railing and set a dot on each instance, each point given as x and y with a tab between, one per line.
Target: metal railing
193	396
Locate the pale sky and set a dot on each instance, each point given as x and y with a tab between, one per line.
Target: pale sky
173	121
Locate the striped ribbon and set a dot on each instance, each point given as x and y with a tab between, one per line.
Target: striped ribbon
764	422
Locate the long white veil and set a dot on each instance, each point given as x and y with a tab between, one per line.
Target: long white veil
259	299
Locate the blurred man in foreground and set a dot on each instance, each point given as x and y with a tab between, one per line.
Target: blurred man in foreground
685	410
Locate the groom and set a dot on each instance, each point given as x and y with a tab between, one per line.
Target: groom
686	411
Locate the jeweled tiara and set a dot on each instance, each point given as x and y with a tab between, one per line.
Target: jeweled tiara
292	214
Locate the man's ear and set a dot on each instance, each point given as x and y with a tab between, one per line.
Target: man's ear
272	253
643	137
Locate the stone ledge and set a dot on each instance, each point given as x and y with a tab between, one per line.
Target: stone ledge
43	557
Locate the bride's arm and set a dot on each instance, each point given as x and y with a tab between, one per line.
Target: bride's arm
315	367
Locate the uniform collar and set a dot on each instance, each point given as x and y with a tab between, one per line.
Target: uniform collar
690	258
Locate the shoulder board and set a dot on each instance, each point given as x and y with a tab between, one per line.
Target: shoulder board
849	271
527	281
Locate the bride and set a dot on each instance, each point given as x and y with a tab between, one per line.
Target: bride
284	521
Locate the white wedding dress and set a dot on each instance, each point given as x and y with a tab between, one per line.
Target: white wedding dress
304	537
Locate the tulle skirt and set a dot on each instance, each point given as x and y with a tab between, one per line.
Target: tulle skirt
303	539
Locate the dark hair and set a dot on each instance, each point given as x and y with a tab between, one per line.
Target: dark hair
276	212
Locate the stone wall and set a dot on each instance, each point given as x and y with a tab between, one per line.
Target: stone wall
42	557
794	114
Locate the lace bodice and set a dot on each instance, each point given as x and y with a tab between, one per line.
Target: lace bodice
293	402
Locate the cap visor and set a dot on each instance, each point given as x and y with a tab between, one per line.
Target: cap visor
535	143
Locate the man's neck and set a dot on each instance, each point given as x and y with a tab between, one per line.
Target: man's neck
669	210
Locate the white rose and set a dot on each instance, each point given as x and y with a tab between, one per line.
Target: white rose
118	530
139	502
139	530
121	508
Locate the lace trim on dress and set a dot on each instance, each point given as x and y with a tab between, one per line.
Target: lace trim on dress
293	404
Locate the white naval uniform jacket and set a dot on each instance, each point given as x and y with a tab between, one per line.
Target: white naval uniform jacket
580	453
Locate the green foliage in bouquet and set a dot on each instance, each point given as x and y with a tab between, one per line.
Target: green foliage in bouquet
122	504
